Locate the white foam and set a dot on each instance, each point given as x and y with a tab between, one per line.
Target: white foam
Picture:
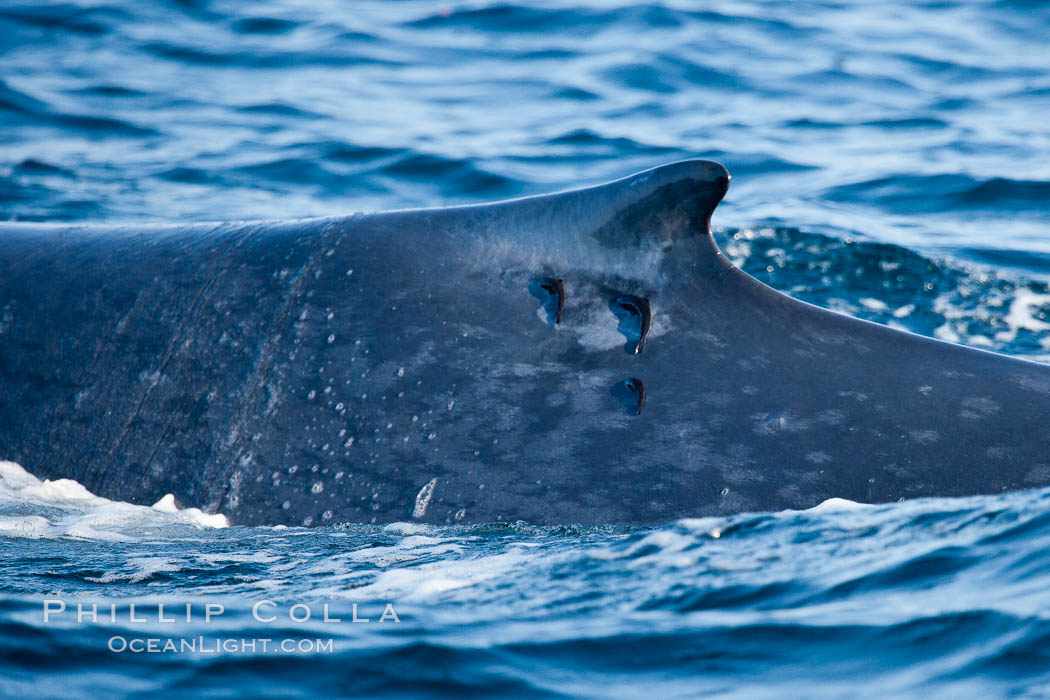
433	579
407	528
833	505
260	557
1021	315
166	504
29	526
138	569
195	515
70	510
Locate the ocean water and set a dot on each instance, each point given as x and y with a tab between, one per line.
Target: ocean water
889	161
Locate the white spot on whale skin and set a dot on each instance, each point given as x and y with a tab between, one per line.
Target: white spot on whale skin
423	498
924	437
1039	474
1032	384
593	331
779	422
981	405
588	318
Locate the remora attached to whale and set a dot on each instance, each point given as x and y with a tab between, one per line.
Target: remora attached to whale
380	367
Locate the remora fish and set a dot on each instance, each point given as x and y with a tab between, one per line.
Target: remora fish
583	357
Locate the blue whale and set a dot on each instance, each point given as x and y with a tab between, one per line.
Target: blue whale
582	357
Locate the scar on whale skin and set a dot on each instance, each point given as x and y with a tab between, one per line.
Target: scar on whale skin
636	317
551	292
631	394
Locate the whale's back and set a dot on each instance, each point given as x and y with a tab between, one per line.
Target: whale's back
586	357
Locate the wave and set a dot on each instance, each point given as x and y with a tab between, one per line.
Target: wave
909	193
263	25
945	298
65	16
894	123
524	18
908	596
264	58
279	109
341	168
43	201
510	89
17	106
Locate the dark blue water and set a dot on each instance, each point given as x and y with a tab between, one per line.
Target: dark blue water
889	161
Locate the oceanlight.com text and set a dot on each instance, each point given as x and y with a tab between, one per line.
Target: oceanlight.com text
119	644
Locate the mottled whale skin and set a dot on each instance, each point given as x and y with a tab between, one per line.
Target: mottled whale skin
403	365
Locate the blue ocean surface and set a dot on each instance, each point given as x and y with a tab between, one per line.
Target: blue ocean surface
890	161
